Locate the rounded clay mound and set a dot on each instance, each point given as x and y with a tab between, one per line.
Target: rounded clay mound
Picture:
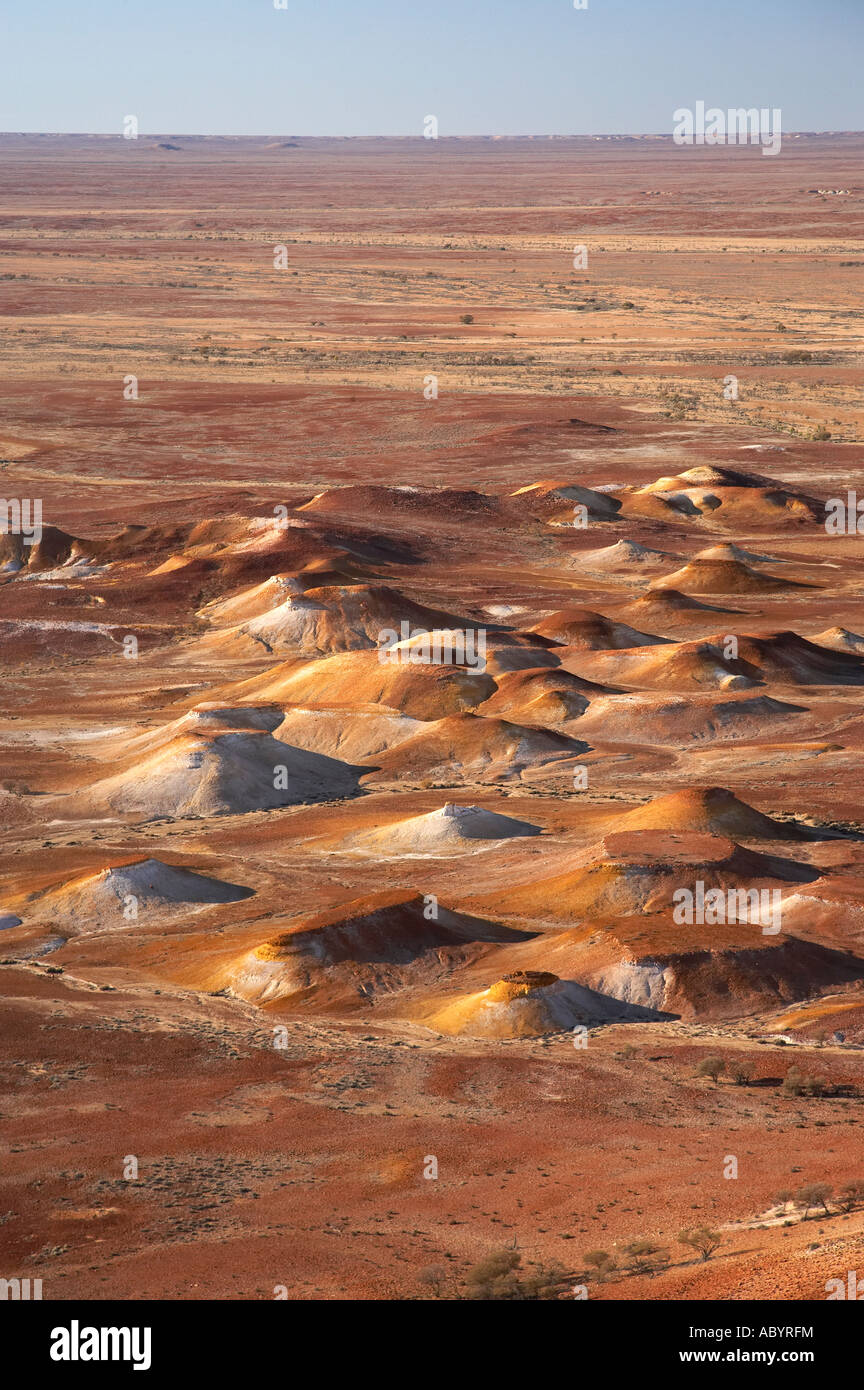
450	828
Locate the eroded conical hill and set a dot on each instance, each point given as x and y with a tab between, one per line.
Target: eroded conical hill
123	894
262	598
709	475
791	659
678	721
448	829
392	504
638	871
352	955
745	979
343	618
351	678
540	696
529	1004
676	666
624	554
728	550
730	576
518	652
781	657
232	548
560	498
840	639
470	748
222	774
658	603
714	810
201	721
731	496
582	628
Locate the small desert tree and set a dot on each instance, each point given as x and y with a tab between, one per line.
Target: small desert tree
852	1195
711	1066
433	1277
702	1239
813	1194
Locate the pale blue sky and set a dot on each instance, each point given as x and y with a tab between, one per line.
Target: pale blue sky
345	67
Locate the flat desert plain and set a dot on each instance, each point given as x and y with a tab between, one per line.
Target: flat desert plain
432	722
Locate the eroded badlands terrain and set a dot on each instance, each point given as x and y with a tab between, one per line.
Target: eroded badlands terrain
289	909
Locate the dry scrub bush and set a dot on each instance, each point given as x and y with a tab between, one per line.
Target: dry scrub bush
601	1262
799	1083
711	1066
498	1278
702	1239
813	1194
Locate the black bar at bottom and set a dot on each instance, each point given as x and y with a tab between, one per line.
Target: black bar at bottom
59	1339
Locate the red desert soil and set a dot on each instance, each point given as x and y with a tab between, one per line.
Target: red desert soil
282	920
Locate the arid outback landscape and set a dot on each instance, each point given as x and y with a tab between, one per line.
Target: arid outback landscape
335	957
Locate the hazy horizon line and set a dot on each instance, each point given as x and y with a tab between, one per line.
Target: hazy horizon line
476	135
